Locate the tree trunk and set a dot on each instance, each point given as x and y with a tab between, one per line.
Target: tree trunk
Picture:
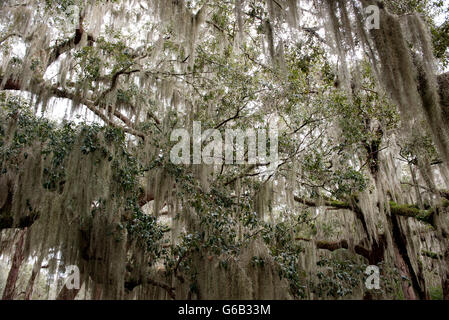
68	294
414	286
407	287
445	272
98	292
445	285
34	274
10	287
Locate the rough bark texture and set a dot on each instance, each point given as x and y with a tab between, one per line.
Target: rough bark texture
10	287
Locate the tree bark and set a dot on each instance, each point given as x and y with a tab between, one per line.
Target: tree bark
34	274
98	292
10	287
407	288
68	294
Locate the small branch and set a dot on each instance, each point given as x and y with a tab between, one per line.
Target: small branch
442	192
313	32
13	34
246	173
279	5
176	268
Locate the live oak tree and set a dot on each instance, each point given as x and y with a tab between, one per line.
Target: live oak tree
363	143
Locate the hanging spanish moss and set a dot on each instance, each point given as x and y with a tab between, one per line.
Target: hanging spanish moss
93	94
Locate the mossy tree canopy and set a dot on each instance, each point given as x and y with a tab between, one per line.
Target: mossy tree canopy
91	92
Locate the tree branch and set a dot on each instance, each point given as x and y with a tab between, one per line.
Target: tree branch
131	284
164	286
38	86
373	255
69	44
328	203
9	35
407	210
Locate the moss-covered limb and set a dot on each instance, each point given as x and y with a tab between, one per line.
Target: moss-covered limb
412	211
306	202
327	202
374	254
431	254
332	246
335	245
327	245
337	204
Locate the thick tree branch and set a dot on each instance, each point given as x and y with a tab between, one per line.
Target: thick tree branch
130	284
328	203
170	290
406	210
373	255
39	86
59	93
69	44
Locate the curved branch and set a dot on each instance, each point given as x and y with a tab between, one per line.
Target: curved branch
131	284
9	35
374	255
170	290
38	87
